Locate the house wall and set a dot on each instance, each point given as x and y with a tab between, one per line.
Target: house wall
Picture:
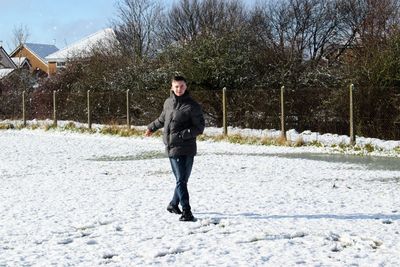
33	60
52	68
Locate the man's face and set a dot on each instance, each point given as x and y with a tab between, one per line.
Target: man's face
178	87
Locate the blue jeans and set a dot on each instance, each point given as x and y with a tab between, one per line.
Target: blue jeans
181	167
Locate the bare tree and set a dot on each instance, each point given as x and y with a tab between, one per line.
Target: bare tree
137	27
364	22
305	34
380	19
298	29
20	34
375	27
222	16
182	21
191	18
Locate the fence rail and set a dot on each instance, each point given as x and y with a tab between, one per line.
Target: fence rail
283	108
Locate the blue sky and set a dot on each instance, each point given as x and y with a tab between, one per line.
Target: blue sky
63	20
59	21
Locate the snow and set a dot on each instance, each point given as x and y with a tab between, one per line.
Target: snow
327	140
19	60
83	46
308	137
70	199
5	72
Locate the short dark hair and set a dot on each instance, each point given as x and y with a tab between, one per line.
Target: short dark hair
178	78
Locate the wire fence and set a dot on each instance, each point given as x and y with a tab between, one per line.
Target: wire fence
324	111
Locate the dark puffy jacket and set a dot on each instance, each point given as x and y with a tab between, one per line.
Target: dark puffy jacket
182	119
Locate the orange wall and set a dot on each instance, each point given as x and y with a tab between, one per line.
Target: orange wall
35	62
52	68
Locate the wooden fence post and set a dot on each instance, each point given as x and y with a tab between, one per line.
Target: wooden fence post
23	109
224	112
128	117
54	108
88	110
352	136
283	133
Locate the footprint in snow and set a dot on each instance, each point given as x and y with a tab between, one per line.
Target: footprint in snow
109	255
91	242
65	241
336	248
209	221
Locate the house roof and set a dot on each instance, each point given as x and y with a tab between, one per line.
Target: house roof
41	50
5	60
38	50
83	46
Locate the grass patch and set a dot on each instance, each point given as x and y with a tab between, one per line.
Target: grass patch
33	126
6	126
203	137
243	140
20	126
72	127
268	141
49	127
369	148
110	130
236	139
344	146
360	150
316	144
299	142
250	140
121	131
239	139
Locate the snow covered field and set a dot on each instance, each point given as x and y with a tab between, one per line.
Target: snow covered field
87	200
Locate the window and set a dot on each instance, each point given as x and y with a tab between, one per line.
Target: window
60	64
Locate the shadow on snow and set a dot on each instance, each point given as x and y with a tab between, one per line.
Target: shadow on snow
355	216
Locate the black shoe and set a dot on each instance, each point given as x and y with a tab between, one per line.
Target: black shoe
187	216
174	209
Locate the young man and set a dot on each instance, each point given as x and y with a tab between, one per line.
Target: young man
182	119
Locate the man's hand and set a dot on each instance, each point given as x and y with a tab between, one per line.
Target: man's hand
148	133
